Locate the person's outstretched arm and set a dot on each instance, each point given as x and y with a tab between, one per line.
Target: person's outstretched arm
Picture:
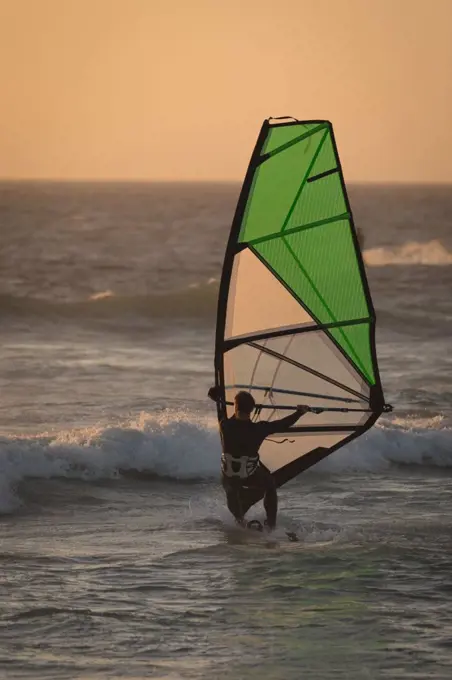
283	424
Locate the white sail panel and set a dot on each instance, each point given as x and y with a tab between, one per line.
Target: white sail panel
308	360
316	350
275	382
258	301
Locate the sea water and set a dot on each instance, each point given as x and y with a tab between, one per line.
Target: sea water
117	555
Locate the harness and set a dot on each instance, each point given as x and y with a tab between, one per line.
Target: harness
239	466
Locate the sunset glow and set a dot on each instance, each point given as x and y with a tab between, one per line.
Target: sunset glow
149	89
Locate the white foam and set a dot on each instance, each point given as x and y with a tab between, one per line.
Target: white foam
102	295
406	442
186	447
411	253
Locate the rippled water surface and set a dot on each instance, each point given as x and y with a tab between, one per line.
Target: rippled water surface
117	555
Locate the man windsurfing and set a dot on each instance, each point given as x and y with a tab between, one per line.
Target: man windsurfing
241	467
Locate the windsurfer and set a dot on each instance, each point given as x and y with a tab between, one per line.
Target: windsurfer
241	467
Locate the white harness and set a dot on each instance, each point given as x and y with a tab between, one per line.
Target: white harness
238	466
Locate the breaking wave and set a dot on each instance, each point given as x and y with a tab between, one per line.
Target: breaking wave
431	253
185	447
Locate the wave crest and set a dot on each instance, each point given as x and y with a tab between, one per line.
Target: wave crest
186	447
431	253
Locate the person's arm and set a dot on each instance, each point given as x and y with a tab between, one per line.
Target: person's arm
283	424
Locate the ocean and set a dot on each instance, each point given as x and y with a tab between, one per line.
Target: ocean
118	558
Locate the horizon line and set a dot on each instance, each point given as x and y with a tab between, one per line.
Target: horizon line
119	180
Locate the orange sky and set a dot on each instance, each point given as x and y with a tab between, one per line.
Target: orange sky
177	89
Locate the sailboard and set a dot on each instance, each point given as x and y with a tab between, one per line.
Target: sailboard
295	319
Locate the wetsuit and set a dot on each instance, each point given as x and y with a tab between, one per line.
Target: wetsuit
240	464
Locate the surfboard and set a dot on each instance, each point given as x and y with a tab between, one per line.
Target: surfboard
295	318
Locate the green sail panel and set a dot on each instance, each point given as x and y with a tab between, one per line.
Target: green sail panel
357	340
280	135
326	159
297	221
320	200
276	185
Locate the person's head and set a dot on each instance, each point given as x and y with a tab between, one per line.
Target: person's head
244	404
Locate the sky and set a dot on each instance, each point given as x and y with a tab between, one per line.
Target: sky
178	89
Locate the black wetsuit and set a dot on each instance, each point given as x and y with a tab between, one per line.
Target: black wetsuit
241	440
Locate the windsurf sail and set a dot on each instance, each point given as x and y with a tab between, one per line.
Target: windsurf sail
295	320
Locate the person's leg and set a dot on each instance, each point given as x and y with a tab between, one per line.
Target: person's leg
271	504
263	479
233	499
